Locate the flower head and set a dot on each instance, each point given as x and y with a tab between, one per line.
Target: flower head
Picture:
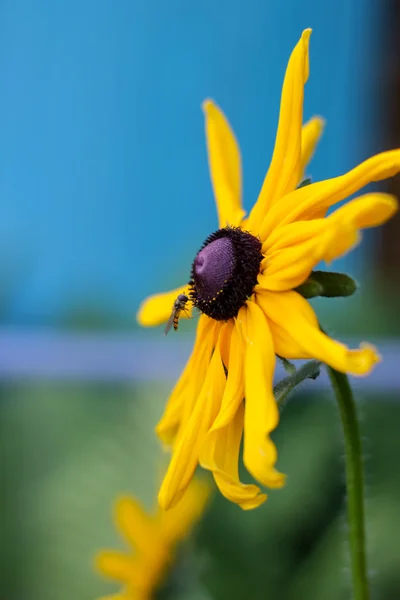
244	282
152	541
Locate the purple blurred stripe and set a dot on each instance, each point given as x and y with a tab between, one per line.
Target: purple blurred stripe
45	354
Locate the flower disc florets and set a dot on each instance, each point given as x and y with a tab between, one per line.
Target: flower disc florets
225	272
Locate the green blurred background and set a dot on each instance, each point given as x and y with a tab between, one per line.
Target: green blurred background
68	450
102	169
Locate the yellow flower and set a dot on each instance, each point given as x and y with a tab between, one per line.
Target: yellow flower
243	282
153	540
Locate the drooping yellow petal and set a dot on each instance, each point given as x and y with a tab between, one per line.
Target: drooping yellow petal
286	164
220	450
225	342
136	526
261	411
234	389
177	523
184	395
157	309
199	374
220	454
186	450
312	201
296	334
310	136
225	165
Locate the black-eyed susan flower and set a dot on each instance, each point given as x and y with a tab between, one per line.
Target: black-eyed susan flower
152	540
243	282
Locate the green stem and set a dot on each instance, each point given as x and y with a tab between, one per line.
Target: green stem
309	370
354	483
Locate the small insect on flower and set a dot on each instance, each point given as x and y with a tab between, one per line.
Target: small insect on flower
179	305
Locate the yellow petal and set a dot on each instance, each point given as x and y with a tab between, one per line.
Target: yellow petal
293	250
225	342
261	411
292	234
225	165
177	523
310	136
210	340
136	526
158	308
287	266
286	164
220	454
186	451
369	210
115	564
184	395
120	597
234	389
296	334
312	201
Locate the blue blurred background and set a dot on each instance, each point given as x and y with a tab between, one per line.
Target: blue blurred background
102	155
106	198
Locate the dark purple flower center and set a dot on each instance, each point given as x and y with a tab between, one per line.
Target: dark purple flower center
225	272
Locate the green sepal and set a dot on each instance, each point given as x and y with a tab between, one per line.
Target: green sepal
282	389
328	285
288	366
305	182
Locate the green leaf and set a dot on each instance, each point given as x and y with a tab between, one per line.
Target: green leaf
328	285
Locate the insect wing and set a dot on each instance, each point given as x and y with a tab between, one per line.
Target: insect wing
170	322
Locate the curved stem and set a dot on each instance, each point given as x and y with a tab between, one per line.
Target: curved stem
354	483
309	370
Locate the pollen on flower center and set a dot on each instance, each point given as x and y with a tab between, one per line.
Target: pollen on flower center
225	272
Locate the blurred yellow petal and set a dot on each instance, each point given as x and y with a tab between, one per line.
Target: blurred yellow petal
186	450
261	411
225	165
115	564
286	164
157	309
310	136
369	210
296	333
220	454
142	571
135	525
312	201
184	395
120	597
176	523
